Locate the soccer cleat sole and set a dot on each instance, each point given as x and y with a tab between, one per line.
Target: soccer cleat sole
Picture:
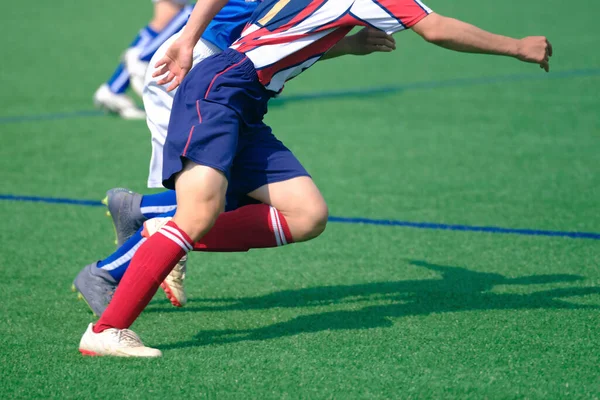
88	353
105	202
167	289
81	298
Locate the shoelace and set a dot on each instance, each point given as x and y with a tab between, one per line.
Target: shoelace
129	338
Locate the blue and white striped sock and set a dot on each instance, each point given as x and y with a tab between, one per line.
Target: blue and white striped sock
153	205
172	28
119	81
117	263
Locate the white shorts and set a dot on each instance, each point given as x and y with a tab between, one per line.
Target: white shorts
158	103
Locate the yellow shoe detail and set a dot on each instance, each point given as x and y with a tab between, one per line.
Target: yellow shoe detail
81	298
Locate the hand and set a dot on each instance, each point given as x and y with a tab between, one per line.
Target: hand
536	50
370	40
176	63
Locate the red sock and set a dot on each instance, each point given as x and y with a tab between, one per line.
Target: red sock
251	227
149	267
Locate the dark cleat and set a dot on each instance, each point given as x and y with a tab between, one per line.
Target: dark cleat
124	209
96	287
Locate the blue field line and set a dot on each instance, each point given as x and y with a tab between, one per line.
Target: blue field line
458	82
54	200
51	116
350	93
364	221
466	228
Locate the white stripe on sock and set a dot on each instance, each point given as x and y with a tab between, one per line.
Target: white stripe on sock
274	224
145	38
281	233
178	234
174	239
124	258
157	209
120	81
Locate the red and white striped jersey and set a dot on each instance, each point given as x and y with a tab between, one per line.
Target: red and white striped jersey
285	37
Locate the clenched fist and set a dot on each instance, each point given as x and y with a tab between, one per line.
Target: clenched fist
535	50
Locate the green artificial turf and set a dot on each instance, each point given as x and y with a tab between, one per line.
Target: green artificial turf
364	311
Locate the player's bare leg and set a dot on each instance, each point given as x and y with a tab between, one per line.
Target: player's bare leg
201	196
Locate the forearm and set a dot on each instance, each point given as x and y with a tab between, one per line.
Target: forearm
461	36
204	11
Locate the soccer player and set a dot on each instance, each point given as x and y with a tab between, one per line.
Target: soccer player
97	281
169	17
217	116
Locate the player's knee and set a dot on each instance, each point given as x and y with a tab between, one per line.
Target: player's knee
314	220
196	218
195	224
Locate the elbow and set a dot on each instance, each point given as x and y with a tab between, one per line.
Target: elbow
432	28
432	36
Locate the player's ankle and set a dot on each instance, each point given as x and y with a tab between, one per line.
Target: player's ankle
99	327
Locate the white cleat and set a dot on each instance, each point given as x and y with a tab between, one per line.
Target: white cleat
116	343
136	68
173	284
117	103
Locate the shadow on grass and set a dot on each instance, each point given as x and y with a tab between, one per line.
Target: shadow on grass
459	289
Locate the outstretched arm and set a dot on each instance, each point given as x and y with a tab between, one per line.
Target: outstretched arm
461	36
178	59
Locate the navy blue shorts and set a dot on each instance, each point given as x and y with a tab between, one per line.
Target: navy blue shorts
217	121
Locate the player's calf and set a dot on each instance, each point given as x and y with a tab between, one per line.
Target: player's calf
173	285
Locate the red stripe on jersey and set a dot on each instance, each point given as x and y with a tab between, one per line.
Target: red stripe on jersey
312	7
346	20
245	47
409	12
319	47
